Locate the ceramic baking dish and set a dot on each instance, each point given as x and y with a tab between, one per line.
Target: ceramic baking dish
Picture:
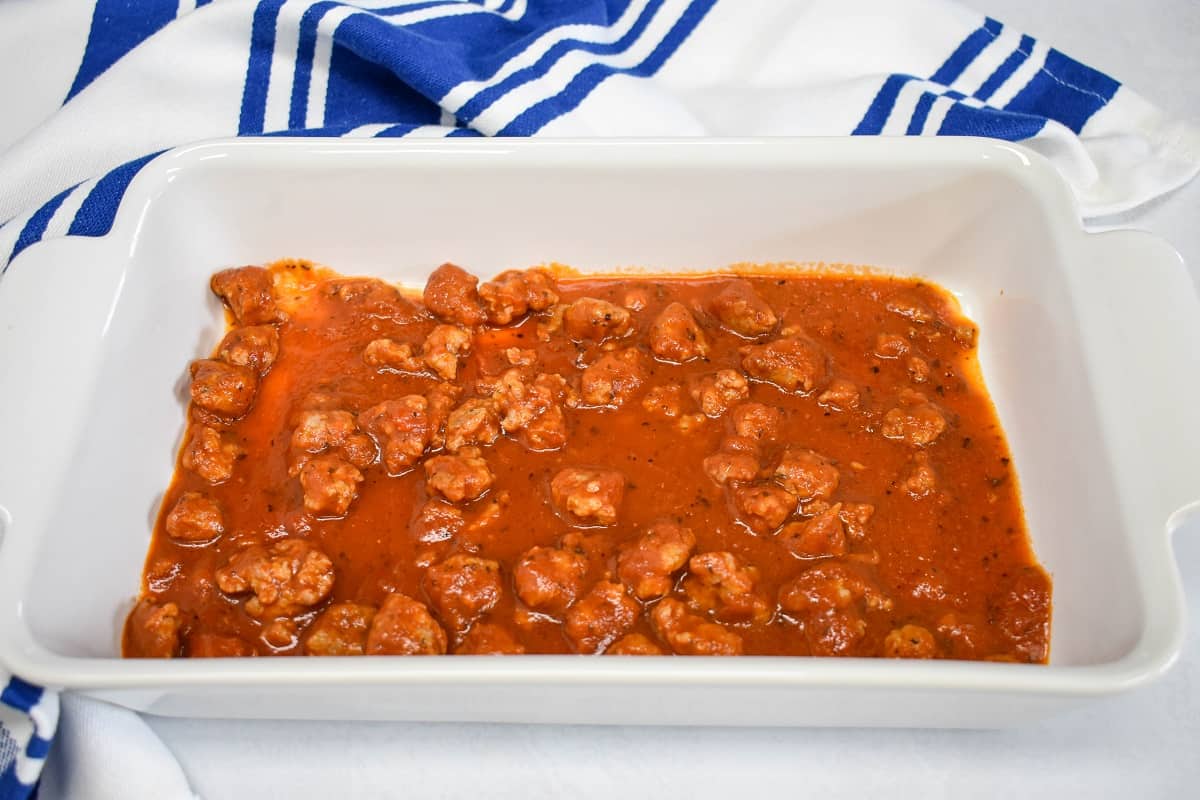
1090	345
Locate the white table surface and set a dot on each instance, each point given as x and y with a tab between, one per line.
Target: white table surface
1145	744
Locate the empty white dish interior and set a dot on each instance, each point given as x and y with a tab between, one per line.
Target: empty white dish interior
974	228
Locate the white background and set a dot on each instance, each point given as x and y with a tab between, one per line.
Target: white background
1146	744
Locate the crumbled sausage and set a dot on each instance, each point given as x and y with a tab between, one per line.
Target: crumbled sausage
195	519
322	430
463	588
459	477
890	345
210	455
840	395
915	421
821	536
548	579
401	429
806	474
829	601
485	639
532	405
211	645
919	370
443	348
921	478
612	379
588	495
600	617
725	466
634	644
442	398
964	636
666	400
254	346
340	630
716	393
329	485
279	634
794	363
763	508
475	422
719	583
154	629
247	292
855	517
226	390
910	641
547	432
451	296
1021	610
512	294
374	297
287	577
404	627
393	355
756	421
636	298
589	319
436	521
910	308
741	310
649	563
691	635
675	335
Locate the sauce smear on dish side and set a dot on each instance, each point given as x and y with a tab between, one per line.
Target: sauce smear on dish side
770	462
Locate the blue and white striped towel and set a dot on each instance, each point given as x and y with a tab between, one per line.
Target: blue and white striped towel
121	80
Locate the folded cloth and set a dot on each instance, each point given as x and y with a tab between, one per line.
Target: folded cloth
119	81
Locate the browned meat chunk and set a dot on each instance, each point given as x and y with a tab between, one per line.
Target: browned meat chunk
919	370
819	537
1021	609
592	320
195	519
588	495
442	398
485	639
436	521
841	395
675	335
329	485
475	422
340	630
451	296
226	390
829	601
153	630
321	430
255	346
462	589
401	429
806	474
741	310
634	644
603	615
731	464
793	363
910	641
463	476
443	348
511	295
404	627
247	293
763	508
691	635
666	400
717	393
390	354
890	345
855	516
722	585
212	645
915	421
532	405
374	297
756	421
548	579
287	577
921	478
613	379
649	563
210	455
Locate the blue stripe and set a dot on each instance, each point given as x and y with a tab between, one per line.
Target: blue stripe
10	787
35	227
396	131
328	130
963	120
95	216
967	52
540	114
459	133
920	114
258	68
118	26
1015	59
1065	91
21	695
306	49
881	107
38	747
202	3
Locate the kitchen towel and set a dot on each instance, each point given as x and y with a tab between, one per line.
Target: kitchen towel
92	91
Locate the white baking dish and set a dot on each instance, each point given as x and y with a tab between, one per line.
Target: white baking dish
1090	345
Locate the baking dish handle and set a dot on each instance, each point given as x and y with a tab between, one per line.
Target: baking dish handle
1147	332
